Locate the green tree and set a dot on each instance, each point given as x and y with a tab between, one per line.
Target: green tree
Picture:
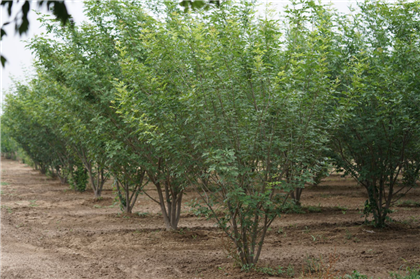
21	119
8	144
377	139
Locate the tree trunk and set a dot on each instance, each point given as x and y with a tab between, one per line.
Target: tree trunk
295	195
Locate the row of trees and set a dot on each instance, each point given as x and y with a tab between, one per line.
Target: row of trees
245	108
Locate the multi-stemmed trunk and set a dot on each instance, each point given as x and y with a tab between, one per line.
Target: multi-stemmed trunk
129	192
97	181
170	200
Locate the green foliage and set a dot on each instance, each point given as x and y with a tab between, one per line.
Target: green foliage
78	177
322	172
355	275
410	273
9	146
279	271
21	154
22	123
379	102
248	103
198	209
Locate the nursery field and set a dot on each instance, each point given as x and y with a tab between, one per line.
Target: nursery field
49	231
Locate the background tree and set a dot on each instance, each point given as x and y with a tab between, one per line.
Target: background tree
9	146
377	140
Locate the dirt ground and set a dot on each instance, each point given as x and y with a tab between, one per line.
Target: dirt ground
50	231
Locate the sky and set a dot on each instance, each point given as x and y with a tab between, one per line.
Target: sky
19	59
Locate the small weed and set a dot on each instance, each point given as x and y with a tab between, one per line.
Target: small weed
408	203
4	183
181	231
313	238
410	273
6	194
141	214
281	231
343	209
114	204
312	264
317	267
314	208
97	206
307	230
355	275
271	271
198	209
290	271
32	203
411	220
348	235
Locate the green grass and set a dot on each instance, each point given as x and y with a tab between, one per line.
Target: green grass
410	273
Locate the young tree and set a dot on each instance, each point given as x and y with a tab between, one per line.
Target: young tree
377	139
148	100
217	101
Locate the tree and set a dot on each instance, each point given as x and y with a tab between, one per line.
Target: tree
23	120
148	101
258	114
8	144
377	139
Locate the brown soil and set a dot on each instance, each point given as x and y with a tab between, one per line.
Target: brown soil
49	231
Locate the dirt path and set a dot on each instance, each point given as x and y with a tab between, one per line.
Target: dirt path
49	231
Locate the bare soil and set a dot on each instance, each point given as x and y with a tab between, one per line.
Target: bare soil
50	231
